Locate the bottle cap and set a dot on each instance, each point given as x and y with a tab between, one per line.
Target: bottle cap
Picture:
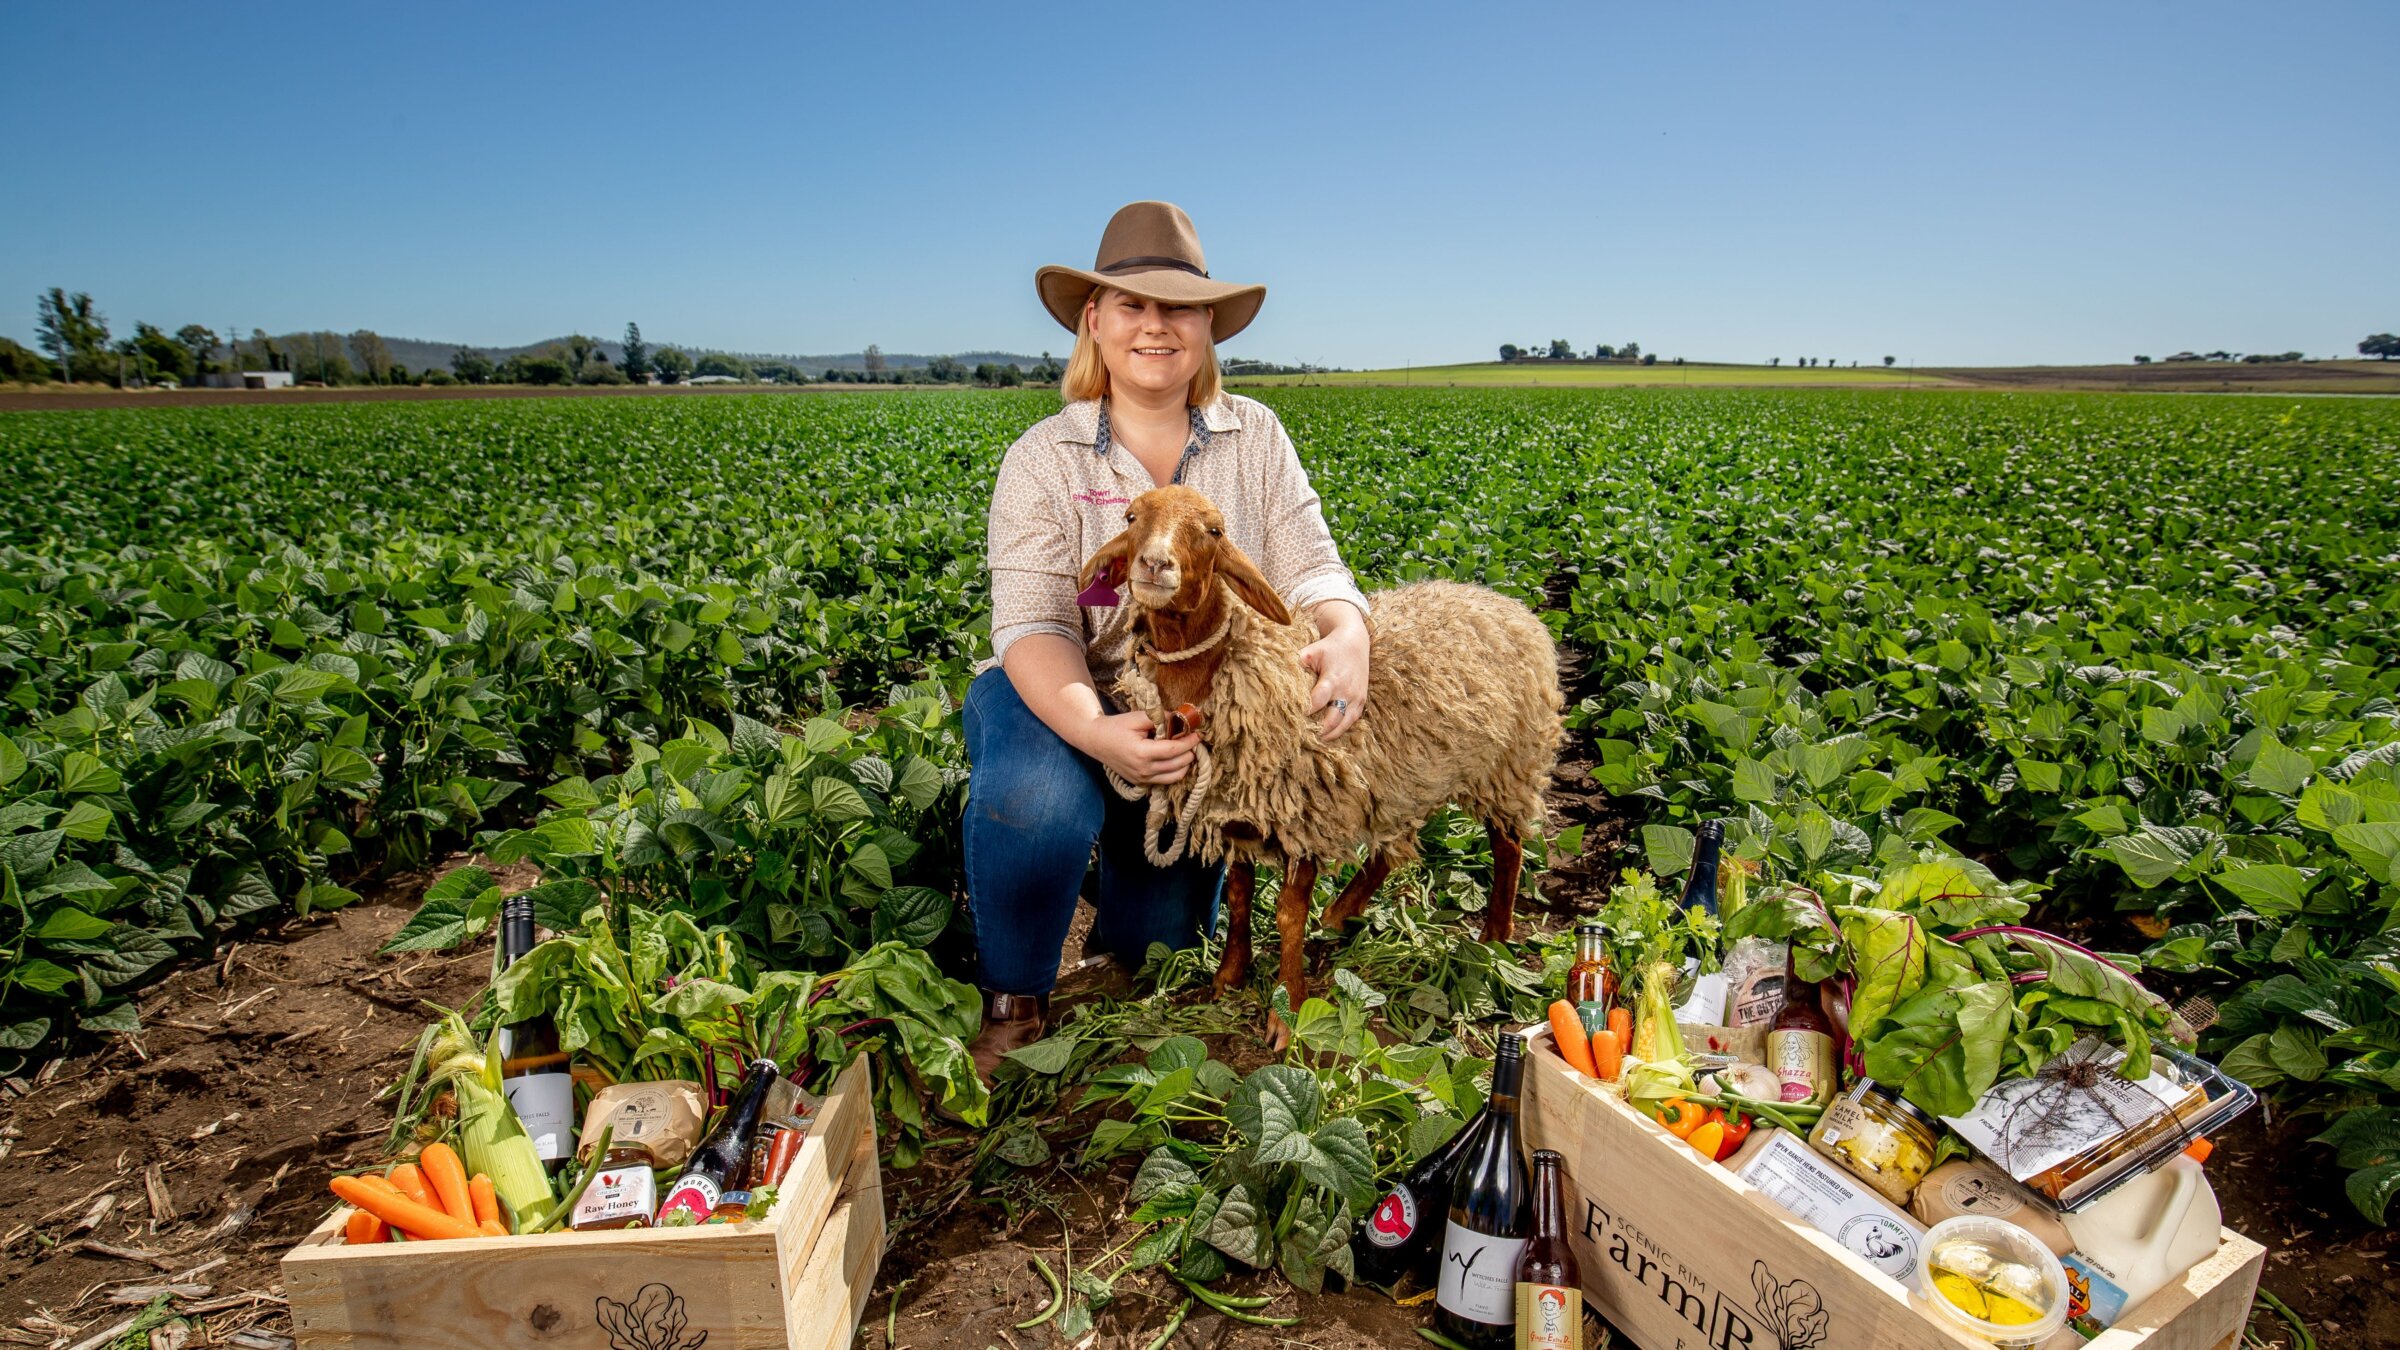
1512	1045
1590	928
1545	1157
2199	1150
1713	829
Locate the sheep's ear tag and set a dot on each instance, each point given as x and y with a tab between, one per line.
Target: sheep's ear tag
1099	594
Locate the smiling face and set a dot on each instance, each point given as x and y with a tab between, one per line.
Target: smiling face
1148	345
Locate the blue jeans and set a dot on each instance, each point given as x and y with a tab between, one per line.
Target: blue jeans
1035	807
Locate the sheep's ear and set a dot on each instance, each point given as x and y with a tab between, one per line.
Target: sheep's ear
1247	582
1109	564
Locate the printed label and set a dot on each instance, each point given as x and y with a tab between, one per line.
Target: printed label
618	1193
1757	1001
546	1103
1479	1275
696	1196
2094	1302
1975	1193
1593	1015
1549	1317
1395	1220
1803	1060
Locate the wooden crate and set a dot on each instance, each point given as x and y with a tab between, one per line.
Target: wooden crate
1680	1255
796	1280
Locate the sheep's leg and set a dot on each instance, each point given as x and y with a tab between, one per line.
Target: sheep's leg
1508	859
1233	969
1353	901
1291	928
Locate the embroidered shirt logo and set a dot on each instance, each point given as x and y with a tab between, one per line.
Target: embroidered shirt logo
1101	497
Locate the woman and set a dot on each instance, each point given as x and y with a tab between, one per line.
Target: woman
1144	408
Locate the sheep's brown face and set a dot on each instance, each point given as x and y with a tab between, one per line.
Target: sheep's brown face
1172	554
1173	536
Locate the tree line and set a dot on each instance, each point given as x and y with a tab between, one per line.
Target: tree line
77	347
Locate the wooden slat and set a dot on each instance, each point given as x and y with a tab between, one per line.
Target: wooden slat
1679	1254
726	1279
828	1292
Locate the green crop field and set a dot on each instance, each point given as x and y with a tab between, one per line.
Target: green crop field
1564	375
2145	653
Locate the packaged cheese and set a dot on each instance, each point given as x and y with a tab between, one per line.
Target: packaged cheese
1816	1190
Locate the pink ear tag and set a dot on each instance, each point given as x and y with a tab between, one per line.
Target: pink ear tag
1099	594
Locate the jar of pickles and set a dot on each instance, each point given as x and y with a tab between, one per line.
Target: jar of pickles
1880	1138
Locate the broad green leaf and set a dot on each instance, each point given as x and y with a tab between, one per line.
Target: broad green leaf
915	915
1239	1230
2373	845
12	766
1274	1101
69	924
1668	848
2269	888
2278	769
82	771
837	801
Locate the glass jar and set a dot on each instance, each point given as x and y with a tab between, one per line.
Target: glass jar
1880	1138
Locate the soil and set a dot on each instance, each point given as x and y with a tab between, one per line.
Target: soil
256	1077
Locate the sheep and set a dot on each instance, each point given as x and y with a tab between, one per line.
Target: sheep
1462	706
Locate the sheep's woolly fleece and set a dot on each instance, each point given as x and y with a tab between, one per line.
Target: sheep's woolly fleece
1462	706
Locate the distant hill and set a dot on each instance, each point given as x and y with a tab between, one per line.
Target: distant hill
420	354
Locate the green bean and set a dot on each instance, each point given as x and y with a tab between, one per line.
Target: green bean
1058	1297
1222	1304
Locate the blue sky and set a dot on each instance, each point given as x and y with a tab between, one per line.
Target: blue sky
1948	184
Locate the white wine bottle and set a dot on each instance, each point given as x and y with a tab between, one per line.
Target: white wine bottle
1491	1216
534	1069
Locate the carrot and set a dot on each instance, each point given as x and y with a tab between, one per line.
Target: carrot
484	1196
1608	1057
379	1182
363	1228
1620	1025
492	1228
411	1184
1573	1045
448	1177
416	1220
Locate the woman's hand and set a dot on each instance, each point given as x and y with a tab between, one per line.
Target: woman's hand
1122	741
1339	661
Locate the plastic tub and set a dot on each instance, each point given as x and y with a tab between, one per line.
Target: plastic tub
2045	1296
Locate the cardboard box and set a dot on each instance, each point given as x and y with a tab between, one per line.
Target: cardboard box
795	1280
1681	1254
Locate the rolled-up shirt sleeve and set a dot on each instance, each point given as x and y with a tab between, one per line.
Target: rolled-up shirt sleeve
1301	562
1031	552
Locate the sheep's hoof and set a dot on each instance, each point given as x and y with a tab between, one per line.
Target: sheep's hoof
1227	980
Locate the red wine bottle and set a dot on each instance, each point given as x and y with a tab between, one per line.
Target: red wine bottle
717	1165
1491	1216
1403	1232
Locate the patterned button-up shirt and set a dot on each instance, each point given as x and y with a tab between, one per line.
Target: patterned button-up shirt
1062	493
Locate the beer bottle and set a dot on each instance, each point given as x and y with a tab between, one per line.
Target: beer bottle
1549	1287
718	1164
1403	1231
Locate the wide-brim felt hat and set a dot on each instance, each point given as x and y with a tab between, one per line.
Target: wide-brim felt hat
1151	250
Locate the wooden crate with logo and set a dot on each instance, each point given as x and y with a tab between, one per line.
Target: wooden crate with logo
1682	1255
795	1280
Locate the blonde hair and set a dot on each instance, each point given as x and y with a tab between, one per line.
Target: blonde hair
1087	374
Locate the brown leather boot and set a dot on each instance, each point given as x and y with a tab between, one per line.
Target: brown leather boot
1010	1022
